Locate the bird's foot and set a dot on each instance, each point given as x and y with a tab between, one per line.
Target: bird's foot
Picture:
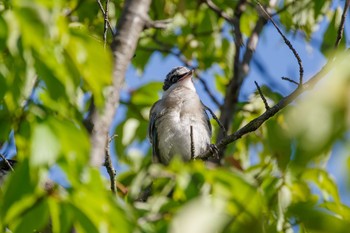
214	150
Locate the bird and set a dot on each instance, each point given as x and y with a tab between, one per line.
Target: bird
179	124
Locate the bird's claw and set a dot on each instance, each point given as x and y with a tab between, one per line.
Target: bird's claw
214	150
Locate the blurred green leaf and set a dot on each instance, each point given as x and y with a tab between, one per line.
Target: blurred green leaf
20	198
93	62
278	141
3	33
324	182
146	95
36	219
315	220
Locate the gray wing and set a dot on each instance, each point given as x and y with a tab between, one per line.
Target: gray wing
152	132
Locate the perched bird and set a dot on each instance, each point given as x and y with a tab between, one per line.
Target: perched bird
178	121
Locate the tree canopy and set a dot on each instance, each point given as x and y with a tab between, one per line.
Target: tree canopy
65	114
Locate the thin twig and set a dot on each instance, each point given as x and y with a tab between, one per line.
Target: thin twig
192	142
106	20
6	161
219	12
267	107
290	80
206	88
287	42
216	119
342	23
109	166
104	16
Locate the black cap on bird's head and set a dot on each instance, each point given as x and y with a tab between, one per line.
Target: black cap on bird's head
176	74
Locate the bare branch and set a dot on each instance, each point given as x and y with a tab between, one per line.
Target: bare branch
219	12
130	26
290	80
342	23
287	42
109	165
106	20
105	16
267	107
206	88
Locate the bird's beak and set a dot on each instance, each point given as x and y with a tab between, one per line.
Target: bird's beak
186	75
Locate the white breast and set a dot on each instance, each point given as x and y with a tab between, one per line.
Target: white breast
182	109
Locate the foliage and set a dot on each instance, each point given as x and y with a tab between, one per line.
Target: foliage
53	62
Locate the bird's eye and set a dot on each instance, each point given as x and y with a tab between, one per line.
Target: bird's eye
173	79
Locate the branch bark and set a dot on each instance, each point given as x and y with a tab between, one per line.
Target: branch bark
130	25
342	23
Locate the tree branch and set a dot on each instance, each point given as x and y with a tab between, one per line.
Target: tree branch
290	80
219	12
105	17
129	28
106	21
206	88
267	107
287	42
342	23
109	166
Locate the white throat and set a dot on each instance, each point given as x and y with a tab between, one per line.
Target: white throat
187	82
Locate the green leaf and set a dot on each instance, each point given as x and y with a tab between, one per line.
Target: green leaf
92	204
3	33
316	220
248	22
45	146
19	198
35	219
278	141
146	95
324	182
32	26
93	62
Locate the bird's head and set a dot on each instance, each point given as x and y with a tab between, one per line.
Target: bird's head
176	75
